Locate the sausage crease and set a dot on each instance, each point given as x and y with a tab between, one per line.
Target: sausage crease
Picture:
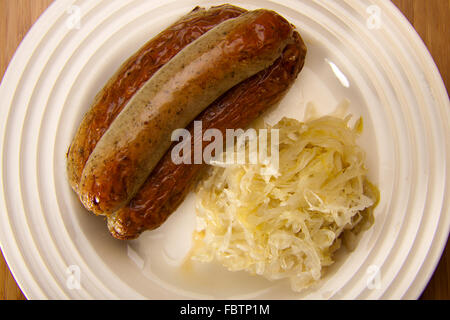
137	139
169	183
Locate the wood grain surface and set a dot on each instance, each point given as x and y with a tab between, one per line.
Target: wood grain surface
429	17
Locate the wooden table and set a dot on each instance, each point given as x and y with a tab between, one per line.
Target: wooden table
429	17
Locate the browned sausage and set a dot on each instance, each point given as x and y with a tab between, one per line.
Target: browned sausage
138	138
130	77
169	183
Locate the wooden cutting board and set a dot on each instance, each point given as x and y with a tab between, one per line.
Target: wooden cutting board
429	17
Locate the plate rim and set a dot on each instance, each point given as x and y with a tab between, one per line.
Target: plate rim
8	244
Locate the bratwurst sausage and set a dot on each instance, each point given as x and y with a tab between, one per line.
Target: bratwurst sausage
132	75
168	184
139	136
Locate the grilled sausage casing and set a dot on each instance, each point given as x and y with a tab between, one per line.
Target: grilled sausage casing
168	184
132	75
139	136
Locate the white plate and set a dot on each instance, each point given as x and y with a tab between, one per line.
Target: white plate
362	50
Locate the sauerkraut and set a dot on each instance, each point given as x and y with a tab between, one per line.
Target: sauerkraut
287	223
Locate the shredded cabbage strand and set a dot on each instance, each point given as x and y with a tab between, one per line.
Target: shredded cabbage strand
287	224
